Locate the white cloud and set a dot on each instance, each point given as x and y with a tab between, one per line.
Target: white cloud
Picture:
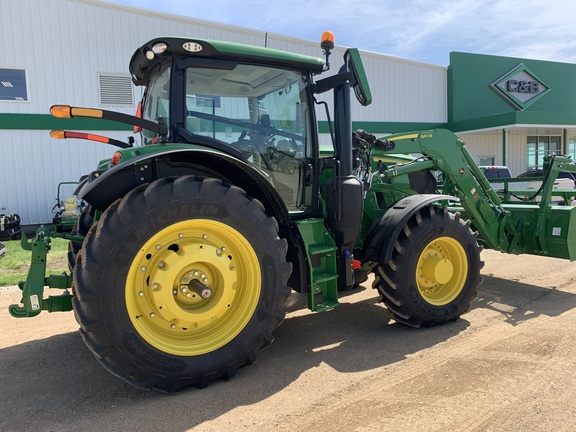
422	30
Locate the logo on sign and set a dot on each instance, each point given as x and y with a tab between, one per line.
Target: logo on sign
521	87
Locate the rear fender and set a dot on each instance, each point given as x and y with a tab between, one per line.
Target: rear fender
102	188
384	232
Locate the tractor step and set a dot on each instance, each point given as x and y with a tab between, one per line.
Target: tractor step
321	252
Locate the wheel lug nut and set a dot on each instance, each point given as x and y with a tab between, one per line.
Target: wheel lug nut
223	248
158	247
161	264
185	280
141	293
173	326
180	235
204	236
152	315
195	273
143	268
184	289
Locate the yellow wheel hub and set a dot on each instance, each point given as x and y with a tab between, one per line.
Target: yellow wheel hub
441	271
193	287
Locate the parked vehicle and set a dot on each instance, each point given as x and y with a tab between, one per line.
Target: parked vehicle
10	226
495	171
527	185
561	175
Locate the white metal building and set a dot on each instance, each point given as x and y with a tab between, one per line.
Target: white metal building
76	52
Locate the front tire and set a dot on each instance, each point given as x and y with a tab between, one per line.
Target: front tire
181	282
434	271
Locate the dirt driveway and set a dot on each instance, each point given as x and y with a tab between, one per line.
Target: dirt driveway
507	365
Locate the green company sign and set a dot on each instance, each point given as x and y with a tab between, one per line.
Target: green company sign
521	87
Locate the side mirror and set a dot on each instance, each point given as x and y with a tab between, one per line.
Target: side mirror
358	79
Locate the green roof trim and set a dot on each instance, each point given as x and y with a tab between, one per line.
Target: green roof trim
47	122
384	127
514	118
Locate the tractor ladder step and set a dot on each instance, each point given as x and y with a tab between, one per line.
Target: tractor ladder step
321	253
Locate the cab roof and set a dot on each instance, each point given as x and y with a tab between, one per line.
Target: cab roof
143	61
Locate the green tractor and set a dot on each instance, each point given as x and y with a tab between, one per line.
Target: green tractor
67	209
191	243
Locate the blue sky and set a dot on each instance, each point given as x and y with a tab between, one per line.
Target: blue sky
420	30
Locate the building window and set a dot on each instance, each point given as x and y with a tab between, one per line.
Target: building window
13	85
540	146
572	147
486	160
115	89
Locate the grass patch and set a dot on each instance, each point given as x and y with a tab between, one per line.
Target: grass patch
15	264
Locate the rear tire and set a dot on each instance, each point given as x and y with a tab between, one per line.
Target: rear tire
434	271
180	282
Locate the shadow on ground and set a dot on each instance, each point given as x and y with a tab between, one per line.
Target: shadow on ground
518	302
56	383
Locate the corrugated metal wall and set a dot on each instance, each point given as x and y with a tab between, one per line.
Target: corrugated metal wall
64	44
489	144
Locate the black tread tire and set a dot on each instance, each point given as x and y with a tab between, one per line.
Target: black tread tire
106	256
396	280
81	227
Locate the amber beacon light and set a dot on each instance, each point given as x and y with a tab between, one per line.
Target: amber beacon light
327	42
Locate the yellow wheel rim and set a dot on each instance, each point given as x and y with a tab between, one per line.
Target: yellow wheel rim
441	271
193	287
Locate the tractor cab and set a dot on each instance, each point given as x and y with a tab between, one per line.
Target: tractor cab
257	107
254	108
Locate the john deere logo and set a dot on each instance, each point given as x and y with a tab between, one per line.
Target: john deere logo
521	87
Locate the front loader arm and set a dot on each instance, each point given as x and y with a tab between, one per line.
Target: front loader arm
444	151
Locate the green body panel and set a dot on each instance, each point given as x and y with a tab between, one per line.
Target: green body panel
153	149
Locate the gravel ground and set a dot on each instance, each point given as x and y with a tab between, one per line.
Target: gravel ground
506	365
